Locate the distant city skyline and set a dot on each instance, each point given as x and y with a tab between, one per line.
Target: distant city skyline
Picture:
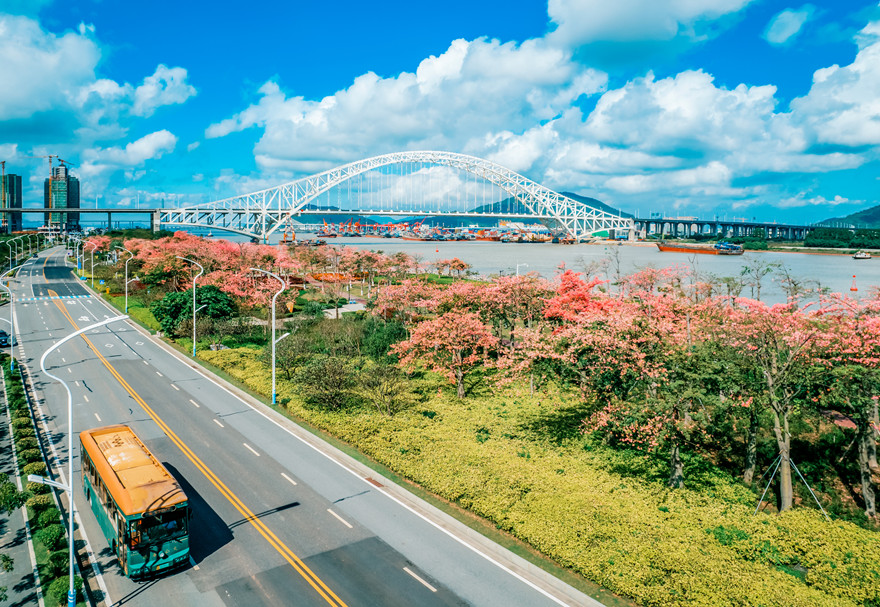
736	108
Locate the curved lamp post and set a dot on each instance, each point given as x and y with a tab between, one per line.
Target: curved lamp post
71	594
201	271
274	341
94	247
8	243
130	256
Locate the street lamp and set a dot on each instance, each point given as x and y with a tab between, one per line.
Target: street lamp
94	246
11	321
8	243
130	255
520	264
71	595
201	271
274	341
128	282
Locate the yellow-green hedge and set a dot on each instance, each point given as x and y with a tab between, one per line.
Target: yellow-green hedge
660	547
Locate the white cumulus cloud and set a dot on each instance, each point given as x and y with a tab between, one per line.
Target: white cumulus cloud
42	72
784	26
98	162
843	105
580	22
166	86
474	90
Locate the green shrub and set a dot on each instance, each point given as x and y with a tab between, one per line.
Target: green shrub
57	565
38	488
38	468
49	516
51	536
27	456
27	442
59	588
24	433
38	503
22	422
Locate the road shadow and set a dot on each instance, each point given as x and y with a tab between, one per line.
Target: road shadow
207	533
263	514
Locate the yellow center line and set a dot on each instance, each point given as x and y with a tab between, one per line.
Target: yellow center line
288	555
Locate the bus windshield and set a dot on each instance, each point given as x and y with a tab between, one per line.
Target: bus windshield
156	529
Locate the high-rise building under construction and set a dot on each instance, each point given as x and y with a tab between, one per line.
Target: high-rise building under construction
10	197
61	191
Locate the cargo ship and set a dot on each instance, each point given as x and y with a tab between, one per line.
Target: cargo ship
721	248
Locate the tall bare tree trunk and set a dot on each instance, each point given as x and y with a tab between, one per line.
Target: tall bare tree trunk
866	445
872	436
783	441
459	383
751	445
676	468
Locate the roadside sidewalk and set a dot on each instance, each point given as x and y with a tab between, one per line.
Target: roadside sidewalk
15	541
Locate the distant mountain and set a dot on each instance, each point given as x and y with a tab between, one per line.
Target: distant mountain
869	219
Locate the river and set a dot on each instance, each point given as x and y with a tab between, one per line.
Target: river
833	272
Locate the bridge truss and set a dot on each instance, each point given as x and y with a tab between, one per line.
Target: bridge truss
260	214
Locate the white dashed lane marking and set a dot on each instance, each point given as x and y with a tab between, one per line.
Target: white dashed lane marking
292	482
341	520
217	421
251	449
424	583
194	403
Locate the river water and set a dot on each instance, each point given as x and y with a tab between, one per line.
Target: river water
834	272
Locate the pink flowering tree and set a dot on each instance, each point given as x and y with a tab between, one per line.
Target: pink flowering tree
852	383
453	344
779	344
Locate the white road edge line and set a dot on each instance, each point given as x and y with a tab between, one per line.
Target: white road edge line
290	480
476	550
341	520
194	402
424	583
217	421
251	449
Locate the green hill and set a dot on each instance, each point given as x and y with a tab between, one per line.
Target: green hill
869	218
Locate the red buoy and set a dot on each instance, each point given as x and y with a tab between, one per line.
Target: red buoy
854	287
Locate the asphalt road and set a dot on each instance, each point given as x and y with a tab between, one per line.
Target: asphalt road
276	521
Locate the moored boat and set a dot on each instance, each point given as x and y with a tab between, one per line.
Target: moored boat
862	255
722	248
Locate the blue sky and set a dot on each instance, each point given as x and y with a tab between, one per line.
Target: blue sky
736	108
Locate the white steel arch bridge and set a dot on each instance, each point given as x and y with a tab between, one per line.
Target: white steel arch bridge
418	189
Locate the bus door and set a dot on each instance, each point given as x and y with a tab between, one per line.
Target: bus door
120	542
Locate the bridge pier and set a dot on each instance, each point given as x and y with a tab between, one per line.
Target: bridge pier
155	221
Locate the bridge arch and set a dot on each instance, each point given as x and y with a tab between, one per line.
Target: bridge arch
260	214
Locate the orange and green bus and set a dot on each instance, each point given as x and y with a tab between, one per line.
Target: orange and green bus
142	511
